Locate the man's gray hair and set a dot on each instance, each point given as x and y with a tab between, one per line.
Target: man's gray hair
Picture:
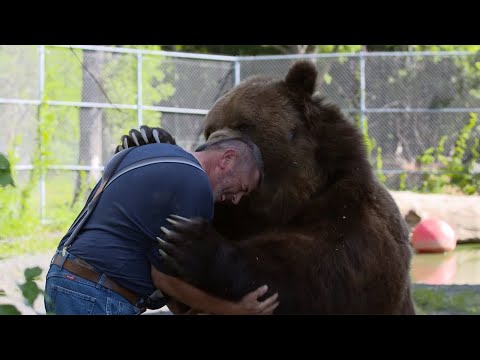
245	148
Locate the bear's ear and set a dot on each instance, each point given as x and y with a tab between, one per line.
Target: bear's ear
302	77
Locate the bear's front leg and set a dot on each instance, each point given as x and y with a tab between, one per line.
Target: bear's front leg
146	135
189	247
198	254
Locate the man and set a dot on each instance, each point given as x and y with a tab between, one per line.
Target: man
114	261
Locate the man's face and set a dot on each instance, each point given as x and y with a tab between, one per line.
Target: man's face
235	182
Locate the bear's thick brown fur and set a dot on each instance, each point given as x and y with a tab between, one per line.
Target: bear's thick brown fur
320	230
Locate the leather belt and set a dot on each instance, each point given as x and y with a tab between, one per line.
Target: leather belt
81	268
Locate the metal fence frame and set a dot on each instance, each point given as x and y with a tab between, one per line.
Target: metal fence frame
236	61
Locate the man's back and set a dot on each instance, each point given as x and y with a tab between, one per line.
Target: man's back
119	237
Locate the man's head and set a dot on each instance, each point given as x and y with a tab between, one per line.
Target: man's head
234	167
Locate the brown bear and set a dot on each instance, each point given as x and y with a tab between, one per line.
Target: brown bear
320	230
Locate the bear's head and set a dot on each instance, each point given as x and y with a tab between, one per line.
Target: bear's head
305	142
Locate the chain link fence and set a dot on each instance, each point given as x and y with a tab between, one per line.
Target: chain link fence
63	109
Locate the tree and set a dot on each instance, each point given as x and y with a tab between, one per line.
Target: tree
109	77
90	121
252	50
232	50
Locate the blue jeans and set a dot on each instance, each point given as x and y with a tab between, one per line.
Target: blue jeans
69	294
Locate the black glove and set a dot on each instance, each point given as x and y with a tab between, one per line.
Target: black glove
155	301
146	135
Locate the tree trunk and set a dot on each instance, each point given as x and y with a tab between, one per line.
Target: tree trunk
90	145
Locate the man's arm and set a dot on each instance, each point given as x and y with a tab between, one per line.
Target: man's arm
178	308
205	303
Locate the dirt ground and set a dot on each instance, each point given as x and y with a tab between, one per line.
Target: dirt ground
12	275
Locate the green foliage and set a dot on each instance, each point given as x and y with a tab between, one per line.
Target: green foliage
370	142
232	50
119	76
57	131
435	300
469	48
5	172
387	48
30	291
29	288
452	171
402	181
39	241
63	81
43	157
465	81
9	310
255	50
327	78
381	176
20	206
246	50
32	274
468	79
338	48
119	79
18	217
236	50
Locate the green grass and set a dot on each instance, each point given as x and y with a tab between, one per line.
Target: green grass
21	231
31	244
436	300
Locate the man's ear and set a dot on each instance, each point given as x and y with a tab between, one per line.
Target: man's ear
227	159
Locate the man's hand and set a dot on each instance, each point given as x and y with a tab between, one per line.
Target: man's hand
249	304
187	299
178	308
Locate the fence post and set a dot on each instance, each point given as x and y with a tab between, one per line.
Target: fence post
41	88
362	91
139	90
237	72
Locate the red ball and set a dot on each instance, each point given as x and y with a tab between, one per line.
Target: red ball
433	235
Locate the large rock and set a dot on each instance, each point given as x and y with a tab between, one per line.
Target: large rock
461	212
